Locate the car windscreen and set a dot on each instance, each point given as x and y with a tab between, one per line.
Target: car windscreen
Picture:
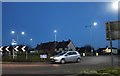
62	53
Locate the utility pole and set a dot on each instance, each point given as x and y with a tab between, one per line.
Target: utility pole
110	37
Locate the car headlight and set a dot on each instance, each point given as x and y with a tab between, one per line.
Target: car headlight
51	57
56	57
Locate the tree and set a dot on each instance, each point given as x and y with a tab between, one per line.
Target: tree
88	48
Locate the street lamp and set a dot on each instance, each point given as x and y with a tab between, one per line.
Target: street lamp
115	5
95	23
22	33
55	31
90	27
13	40
31	39
12	32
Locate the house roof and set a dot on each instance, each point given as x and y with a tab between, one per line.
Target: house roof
50	45
47	45
63	44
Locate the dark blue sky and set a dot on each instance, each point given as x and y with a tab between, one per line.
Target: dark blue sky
38	21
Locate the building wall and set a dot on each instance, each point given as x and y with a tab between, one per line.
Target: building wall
115	51
71	46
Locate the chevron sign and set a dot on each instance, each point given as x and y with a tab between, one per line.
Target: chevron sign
16	48
23	48
7	48
1	48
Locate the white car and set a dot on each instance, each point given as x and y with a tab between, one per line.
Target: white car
66	56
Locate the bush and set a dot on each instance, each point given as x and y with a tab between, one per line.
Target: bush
31	57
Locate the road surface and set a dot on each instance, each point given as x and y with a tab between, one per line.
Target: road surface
87	63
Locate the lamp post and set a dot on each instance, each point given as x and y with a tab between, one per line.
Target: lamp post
90	27
22	33
110	37
55	31
27	51
31	41
13	41
115	7
13	32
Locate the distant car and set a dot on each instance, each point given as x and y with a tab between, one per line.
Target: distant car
66	56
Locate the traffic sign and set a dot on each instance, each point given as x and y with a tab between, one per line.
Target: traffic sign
23	48
113	28
7	48
1	48
16	48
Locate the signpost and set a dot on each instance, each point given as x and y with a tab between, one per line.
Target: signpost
112	33
14	43
16	48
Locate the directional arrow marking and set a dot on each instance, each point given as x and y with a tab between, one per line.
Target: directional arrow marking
16	48
7	48
23	48
1	48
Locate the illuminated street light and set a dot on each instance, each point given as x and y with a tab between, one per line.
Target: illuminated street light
22	33
95	23
12	32
115	5
55	31
31	39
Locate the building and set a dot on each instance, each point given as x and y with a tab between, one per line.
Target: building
107	50
46	48
65	45
51	47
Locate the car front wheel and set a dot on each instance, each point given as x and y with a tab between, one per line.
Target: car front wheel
78	60
63	61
